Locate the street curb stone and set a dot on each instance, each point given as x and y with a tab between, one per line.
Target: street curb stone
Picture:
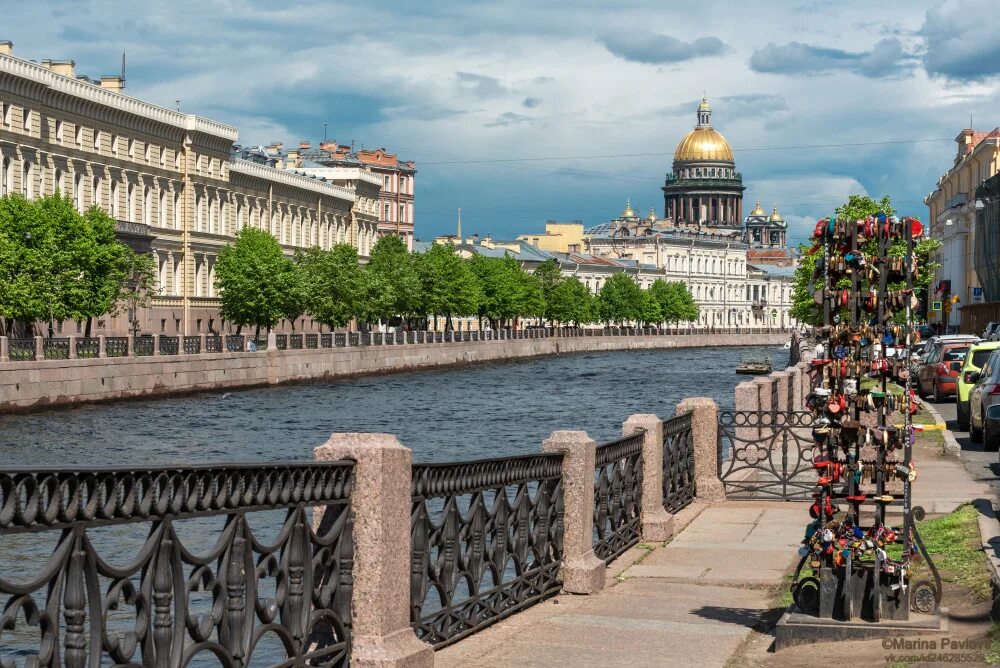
950	444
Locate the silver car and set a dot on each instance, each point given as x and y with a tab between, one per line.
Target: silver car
984	404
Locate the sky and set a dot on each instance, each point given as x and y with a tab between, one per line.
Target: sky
520	111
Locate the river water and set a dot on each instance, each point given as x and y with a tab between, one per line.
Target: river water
487	410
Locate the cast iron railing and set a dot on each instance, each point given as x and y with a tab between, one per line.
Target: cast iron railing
312	341
213	343
116	346
192	344
295	341
486	542
142	346
21	350
766	454
326	340
678	463
88	347
235	343
618	496
169	345
55	349
280	341
340	340
181	592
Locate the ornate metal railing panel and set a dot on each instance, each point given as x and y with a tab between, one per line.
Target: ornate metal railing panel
88	347
281	341
21	350
190	589
295	341
235	343
678	463
618	496
766	454
55	349
169	345
340	340
326	340
377	338
487	541
192	344
354	338
312	341
213	343
116	346
142	346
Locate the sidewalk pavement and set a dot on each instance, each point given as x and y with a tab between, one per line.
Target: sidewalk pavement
693	601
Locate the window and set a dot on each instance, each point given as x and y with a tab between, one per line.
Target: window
386	218
402	213
114	145
197	212
163	157
115	204
79	135
5	113
131	148
60	129
27	178
132	203
147	206
385	182
96	190
98	136
78	192
162	210
149	153
26	121
5	185
177	211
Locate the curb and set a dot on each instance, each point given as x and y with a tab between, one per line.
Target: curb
989	532
951	446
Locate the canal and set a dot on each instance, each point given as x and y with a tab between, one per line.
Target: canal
488	410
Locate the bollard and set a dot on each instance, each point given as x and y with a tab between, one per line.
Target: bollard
102	346
72	346
272	341
657	523
582	571
380	508
39	348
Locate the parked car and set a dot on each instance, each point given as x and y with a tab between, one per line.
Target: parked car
939	374
925	331
974	361
992	331
984	404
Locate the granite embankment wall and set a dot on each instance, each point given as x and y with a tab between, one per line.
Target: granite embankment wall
27	385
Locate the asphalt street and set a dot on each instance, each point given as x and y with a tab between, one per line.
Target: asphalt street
983	466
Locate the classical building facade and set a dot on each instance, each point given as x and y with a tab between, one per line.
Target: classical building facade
952	218
170	180
704	188
396	177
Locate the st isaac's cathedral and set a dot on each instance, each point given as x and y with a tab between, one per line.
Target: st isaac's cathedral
738	268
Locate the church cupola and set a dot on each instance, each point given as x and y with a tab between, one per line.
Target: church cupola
704	114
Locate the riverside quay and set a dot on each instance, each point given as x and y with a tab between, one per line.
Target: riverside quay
359	557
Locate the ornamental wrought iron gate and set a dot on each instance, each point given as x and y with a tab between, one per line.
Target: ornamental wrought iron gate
766	455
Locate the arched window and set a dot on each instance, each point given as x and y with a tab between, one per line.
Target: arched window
147	206
133	203
198	202
115	204
178	273
387	209
161	276
78	192
162	209
177	211
4	175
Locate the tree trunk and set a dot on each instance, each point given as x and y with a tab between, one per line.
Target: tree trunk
86	332
256	334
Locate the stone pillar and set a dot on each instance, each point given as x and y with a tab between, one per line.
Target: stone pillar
130	345
39	348
380	507
806	381
102	346
657	523
765	386
795	398
705	432
4	349
201	343
72	346
272	341
582	571
781	382
156	344
747	399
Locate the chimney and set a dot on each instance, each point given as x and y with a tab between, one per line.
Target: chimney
7	48
293	158
328	146
65	68
115	84
304	145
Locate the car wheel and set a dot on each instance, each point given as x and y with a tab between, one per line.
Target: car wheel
976	435
938	397
962	408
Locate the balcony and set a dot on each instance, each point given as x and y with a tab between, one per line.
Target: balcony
759	302
961	199
137	236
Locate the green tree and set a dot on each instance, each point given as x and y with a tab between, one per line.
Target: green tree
332	284
675	300
448	286
396	268
620	299
549	276
376	298
649	309
254	279
570	302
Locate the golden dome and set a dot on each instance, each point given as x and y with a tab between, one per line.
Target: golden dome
704	144
652	215
757	211
776	217
628	212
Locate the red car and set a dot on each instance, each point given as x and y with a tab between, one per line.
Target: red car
938	376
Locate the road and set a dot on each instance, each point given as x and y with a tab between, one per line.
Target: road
983	466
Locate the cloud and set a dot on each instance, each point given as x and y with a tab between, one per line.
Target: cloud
886	59
480	85
532	102
508	118
753	104
643	46
961	41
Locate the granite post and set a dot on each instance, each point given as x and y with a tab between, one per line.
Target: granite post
380	507
781	383
705	432
582	571
272	341
39	348
657	523
71	342
795	388
102	346
4	349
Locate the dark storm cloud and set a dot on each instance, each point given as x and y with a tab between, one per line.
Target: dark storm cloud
643	46
961	41
886	59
